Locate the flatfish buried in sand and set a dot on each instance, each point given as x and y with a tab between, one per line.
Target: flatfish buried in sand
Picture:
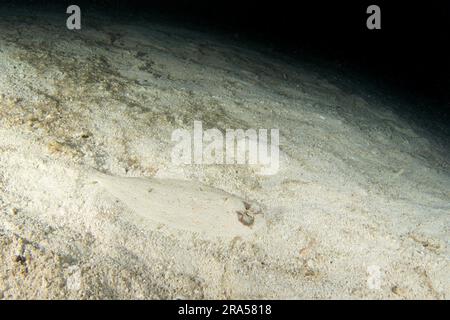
185	205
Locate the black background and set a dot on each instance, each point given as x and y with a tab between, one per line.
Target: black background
169	309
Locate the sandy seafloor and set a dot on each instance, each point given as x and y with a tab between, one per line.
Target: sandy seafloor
359	188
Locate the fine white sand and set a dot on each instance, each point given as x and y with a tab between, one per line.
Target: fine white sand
91	205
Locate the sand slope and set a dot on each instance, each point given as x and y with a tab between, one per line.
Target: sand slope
361	198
